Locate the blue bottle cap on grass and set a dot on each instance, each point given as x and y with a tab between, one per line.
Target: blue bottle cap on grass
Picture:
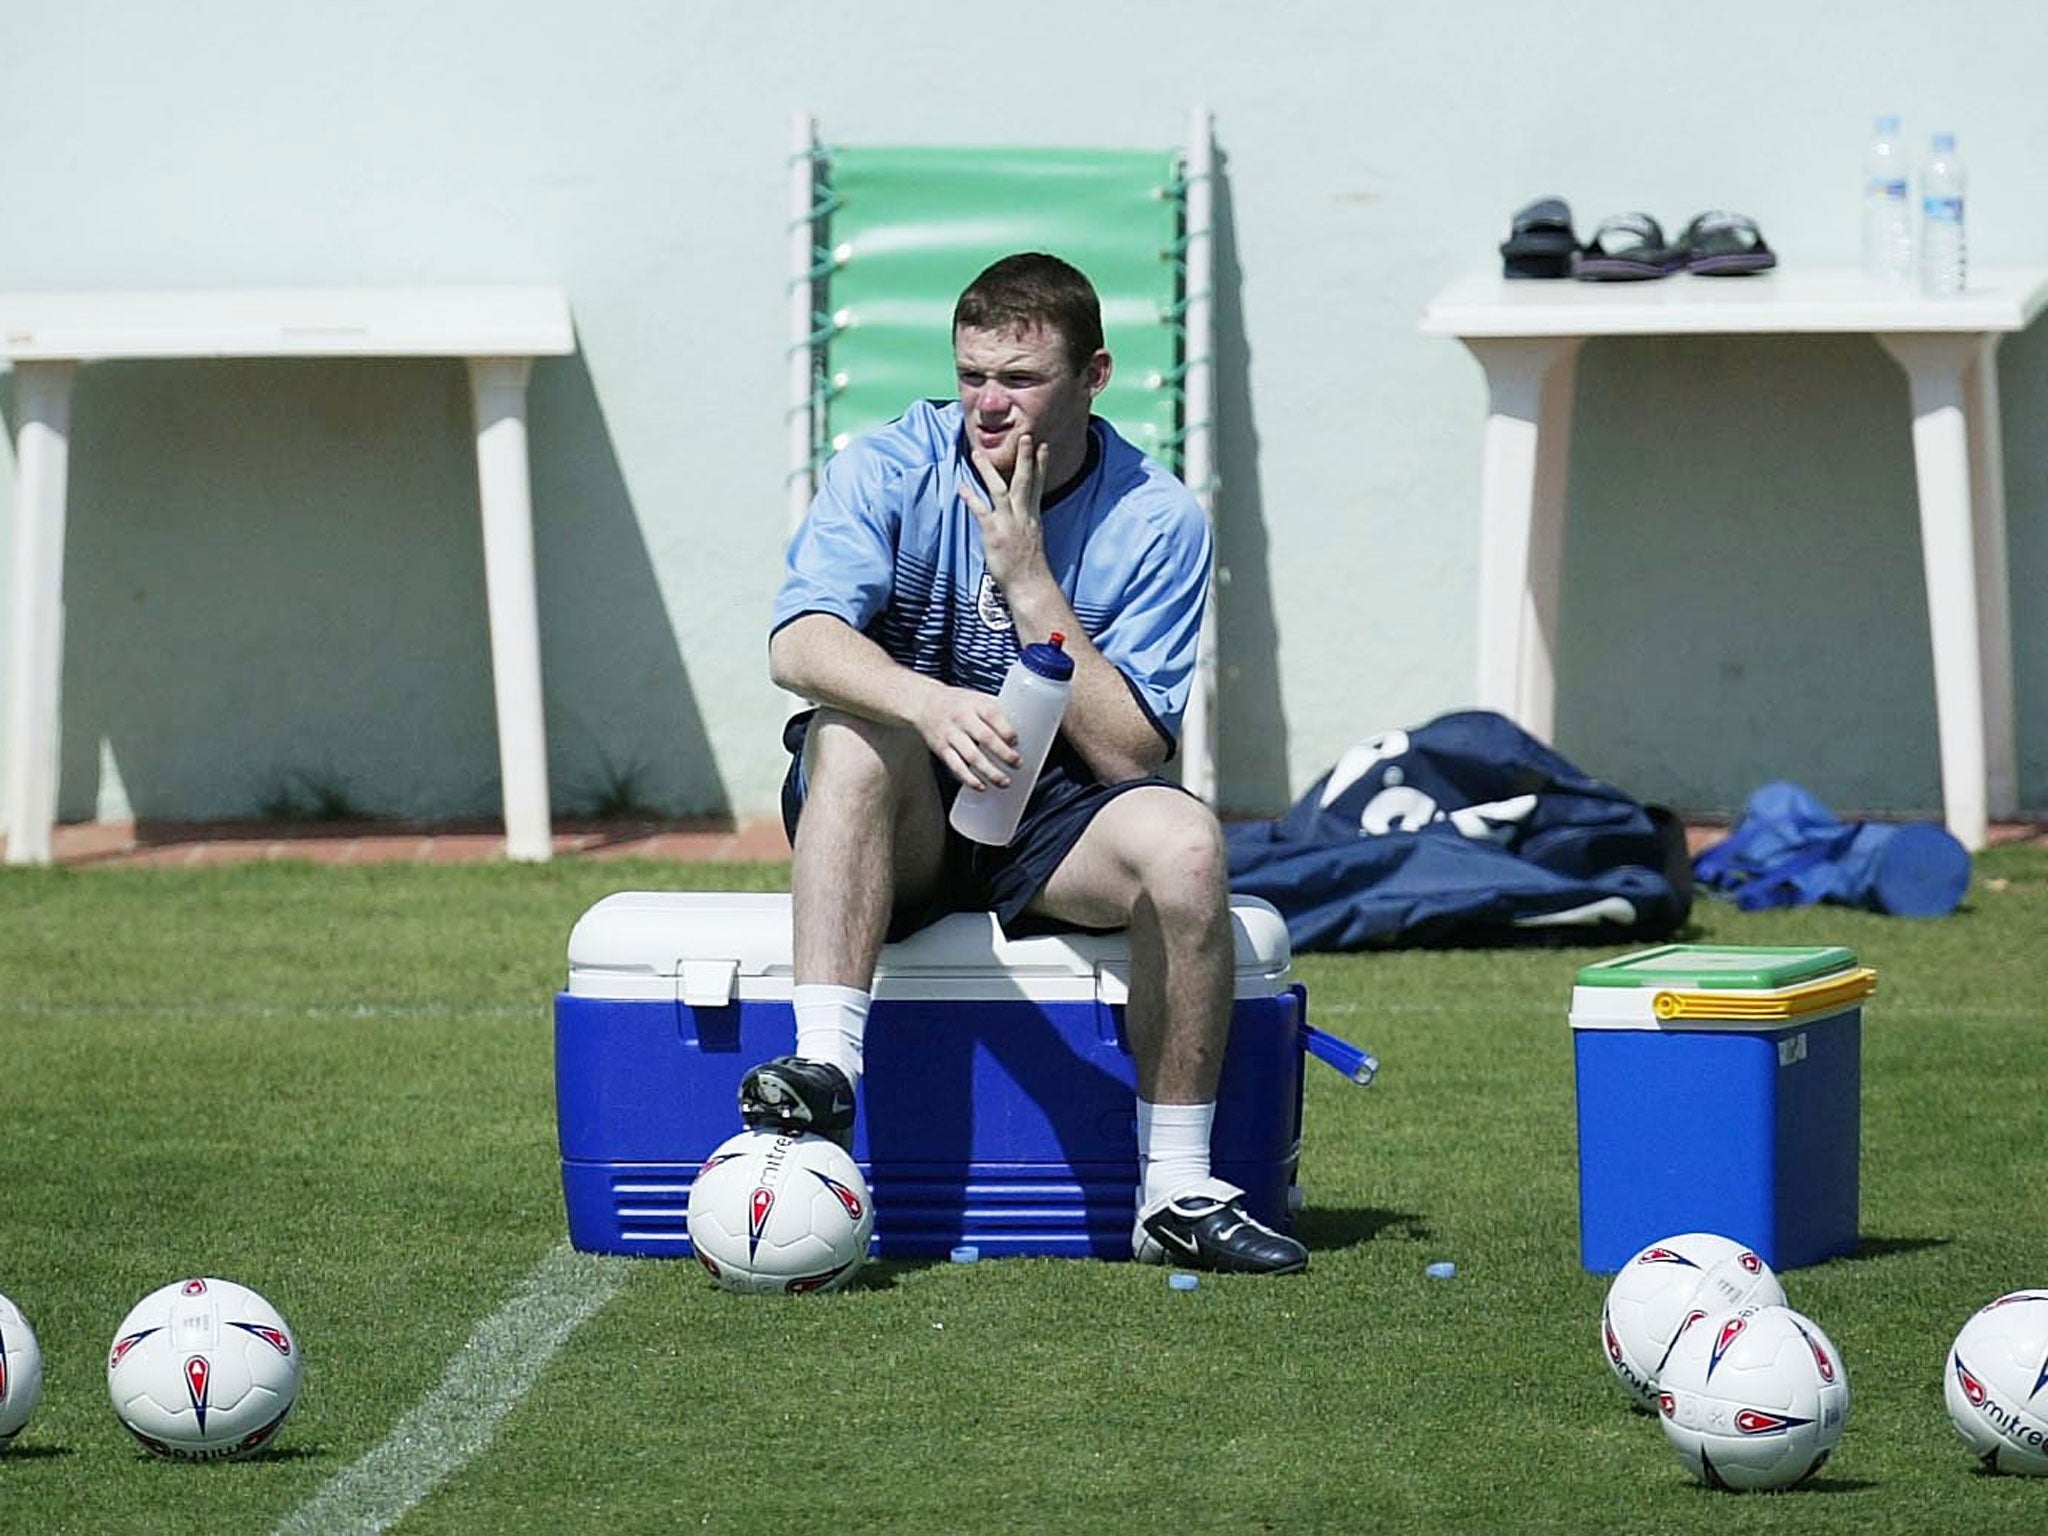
1180	1280
966	1253
1442	1269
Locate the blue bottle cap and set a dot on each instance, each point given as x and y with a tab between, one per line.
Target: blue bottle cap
1048	660
1180	1280
1442	1269
966	1253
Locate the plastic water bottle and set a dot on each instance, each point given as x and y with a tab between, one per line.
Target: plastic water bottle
1943	256
1034	696
1887	207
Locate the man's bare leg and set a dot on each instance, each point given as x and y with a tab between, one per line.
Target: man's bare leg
872	831
871	828
1154	860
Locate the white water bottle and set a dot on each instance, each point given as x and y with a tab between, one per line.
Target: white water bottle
1887	207
1943	257
1034	696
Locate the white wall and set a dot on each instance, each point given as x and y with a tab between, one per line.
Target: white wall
274	585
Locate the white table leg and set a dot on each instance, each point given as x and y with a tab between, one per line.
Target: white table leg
1994	582
1935	365
1528	442
35	630
498	387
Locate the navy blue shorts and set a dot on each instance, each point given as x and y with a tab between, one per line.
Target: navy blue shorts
973	877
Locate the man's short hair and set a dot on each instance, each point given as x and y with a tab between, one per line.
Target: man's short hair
1030	289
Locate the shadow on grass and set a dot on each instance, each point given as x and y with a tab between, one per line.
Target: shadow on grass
1868	1247
38	1452
289	1453
1325	1229
270	1455
1835	1485
1813	1485
885	1274
1322	1229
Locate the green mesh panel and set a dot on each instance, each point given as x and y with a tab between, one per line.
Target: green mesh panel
910	228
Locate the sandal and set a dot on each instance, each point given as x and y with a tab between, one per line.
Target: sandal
1540	241
1626	247
1720	244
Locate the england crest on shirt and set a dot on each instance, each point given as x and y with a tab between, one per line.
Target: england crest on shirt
993	607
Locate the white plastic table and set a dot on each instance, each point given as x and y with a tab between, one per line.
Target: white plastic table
1527	335
498	330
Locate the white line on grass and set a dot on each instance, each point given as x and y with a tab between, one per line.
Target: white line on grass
455	1421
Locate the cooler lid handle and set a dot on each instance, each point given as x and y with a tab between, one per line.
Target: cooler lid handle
1112	983
708	983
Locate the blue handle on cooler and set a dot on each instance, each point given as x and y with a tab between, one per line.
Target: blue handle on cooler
1360	1066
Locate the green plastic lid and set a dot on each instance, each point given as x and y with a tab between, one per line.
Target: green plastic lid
1754	967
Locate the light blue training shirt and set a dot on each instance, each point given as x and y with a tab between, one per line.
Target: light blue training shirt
890	548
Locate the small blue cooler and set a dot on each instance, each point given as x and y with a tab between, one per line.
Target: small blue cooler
998	1103
1719	1090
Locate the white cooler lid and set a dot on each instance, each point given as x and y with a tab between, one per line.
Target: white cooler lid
710	947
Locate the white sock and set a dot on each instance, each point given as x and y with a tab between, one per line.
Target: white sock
831	1024
1173	1148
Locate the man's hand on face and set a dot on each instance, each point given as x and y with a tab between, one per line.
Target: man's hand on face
1011	539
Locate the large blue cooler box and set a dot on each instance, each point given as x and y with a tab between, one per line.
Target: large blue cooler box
1719	1090
998	1103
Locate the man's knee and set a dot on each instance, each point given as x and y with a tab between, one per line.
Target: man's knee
869	791
1153	847
1185	863
845	754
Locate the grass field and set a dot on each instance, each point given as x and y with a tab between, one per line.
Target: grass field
335	1085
